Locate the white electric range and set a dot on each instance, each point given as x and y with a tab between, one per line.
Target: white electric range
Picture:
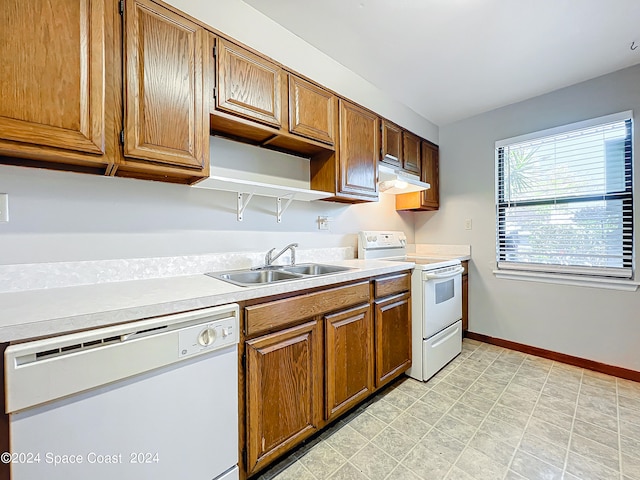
436	300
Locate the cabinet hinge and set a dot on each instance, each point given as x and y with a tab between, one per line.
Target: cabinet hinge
381	155
122	136
121	7
215	51
244	361
215	92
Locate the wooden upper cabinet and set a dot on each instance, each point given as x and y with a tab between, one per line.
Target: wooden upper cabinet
359	150
400	148
283	391
312	110
248	85
411	152
428	199
53	66
348	359
391	152
166	109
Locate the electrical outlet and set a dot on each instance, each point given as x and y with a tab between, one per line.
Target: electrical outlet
4	207
467	224
323	223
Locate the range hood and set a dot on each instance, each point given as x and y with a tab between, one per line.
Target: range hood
395	182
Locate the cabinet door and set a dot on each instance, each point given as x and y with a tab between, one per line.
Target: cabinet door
284	391
430	199
166	115
52	79
359	150
393	337
348	358
411	151
312	110
391	152
248	85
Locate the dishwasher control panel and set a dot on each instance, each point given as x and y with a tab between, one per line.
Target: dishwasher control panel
208	336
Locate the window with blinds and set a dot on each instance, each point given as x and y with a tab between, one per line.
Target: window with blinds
565	199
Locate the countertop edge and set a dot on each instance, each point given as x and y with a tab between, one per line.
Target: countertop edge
46	327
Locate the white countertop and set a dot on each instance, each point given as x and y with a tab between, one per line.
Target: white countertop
449	252
52	311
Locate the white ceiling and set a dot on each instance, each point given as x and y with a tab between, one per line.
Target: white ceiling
451	59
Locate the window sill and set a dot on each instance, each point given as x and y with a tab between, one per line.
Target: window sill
575	280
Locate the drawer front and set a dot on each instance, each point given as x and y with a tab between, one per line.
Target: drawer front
391	285
440	349
280	313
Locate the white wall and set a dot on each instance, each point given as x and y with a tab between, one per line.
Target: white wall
596	324
251	27
61	216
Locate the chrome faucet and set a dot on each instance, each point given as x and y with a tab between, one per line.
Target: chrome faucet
270	258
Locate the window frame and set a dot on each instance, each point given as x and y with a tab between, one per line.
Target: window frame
566	274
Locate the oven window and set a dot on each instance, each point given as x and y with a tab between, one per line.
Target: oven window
444	291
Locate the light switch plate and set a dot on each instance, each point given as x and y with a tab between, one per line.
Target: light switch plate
4	207
468	224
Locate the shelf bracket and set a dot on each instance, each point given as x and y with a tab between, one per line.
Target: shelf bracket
279	208
242	203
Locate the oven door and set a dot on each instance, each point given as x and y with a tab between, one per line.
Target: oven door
442	297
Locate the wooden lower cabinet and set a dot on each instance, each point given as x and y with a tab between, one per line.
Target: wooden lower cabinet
284	391
393	337
348	359
310	358
465	298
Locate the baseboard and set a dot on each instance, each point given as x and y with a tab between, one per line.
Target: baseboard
558	357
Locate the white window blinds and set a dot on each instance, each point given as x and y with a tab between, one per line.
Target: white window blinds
565	199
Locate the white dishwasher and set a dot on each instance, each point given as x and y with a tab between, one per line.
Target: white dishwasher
153	399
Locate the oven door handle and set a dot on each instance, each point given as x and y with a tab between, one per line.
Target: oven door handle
440	276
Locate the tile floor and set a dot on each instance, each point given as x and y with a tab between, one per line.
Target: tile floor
490	414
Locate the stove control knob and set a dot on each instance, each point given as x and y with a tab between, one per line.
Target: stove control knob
207	337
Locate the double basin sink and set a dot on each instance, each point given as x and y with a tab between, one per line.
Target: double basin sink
273	274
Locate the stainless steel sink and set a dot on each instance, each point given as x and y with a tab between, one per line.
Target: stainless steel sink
315	269
273	274
256	277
